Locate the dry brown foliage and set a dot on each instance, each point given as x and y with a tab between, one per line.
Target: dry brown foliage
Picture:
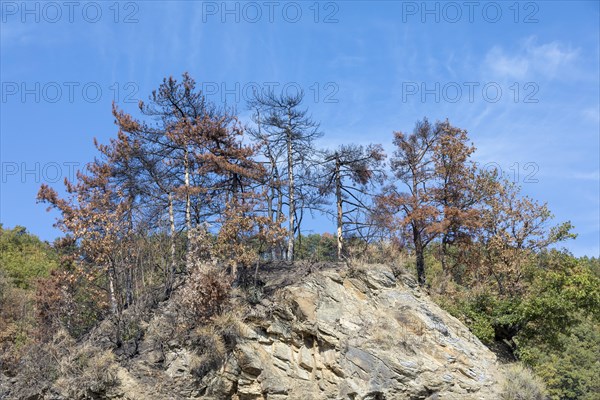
87	372
204	295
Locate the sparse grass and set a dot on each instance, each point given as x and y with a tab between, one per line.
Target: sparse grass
38	364
214	340
375	253
522	384
210	350
87	372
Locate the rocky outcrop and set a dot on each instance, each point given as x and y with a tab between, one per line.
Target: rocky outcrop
335	332
361	333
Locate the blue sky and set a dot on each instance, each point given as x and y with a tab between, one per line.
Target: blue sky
522	78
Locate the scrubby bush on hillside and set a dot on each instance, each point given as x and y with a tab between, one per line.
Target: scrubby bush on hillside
552	326
39	365
16	322
204	294
522	384
87	372
212	341
571	371
24	257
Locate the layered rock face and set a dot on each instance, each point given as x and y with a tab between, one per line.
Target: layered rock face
333	333
361	333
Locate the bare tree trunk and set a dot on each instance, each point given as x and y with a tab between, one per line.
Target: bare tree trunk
271	212
129	286
188	217
172	265
299	248
340	215
444	252
279	217
143	278
418	240
114	304
419	252
129	265
112	292
292	205
234	273
420	267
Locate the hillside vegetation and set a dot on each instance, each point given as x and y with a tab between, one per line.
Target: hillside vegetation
187	202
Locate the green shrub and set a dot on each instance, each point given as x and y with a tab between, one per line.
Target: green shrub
25	257
552	326
573	371
482	328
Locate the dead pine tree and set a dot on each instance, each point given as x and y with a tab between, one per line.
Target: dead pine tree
288	128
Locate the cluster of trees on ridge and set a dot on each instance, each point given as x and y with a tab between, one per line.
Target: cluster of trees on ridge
190	191
187	169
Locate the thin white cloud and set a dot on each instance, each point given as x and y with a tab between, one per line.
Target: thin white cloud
505	65
586	176
591	114
531	59
347	61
